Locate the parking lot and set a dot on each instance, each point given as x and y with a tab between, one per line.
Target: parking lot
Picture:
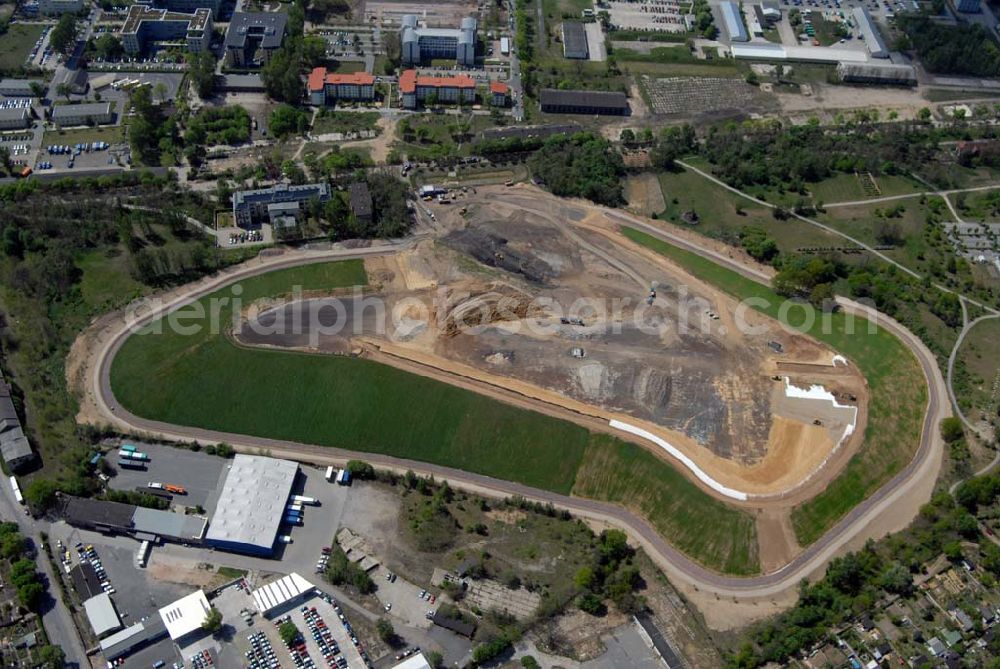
326	633
880	9
403	598
200	474
136	596
74	156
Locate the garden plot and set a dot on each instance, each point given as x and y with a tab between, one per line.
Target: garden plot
689	96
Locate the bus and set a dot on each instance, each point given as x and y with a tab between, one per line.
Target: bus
17	490
131	464
129	448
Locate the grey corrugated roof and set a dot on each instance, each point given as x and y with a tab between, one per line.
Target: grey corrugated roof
13	444
168	524
19	84
734	22
9	114
574	39
252	503
361	199
91	109
873	39
605	99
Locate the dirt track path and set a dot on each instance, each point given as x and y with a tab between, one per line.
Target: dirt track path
890	509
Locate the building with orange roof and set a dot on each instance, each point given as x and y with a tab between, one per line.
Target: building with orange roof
414	88
326	88
499	93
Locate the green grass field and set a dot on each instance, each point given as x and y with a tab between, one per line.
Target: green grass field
111	135
338	121
106	278
980	361
636	479
16	44
718	218
849	187
206	380
896	407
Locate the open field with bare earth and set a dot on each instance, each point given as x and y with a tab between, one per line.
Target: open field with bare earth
644	195
679	368
444	14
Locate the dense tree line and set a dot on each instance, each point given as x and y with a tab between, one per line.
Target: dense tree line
966	48
581	165
492	147
770	155
40	283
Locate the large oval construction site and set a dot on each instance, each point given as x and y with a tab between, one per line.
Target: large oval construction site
546	300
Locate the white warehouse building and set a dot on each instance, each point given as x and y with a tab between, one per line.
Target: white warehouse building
421	43
733	18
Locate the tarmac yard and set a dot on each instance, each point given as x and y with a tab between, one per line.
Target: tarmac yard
541	297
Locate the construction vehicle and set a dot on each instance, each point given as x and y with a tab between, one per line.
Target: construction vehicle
176	489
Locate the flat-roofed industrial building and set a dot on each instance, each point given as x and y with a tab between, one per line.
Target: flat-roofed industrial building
583	102
869	31
57	7
20	88
93	113
733	18
574	39
279	596
14	445
186	615
101	615
252	504
882	74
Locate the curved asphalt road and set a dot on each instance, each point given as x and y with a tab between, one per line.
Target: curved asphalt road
678	566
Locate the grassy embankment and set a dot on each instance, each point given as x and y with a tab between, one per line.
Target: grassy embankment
896	407
16	44
207	381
